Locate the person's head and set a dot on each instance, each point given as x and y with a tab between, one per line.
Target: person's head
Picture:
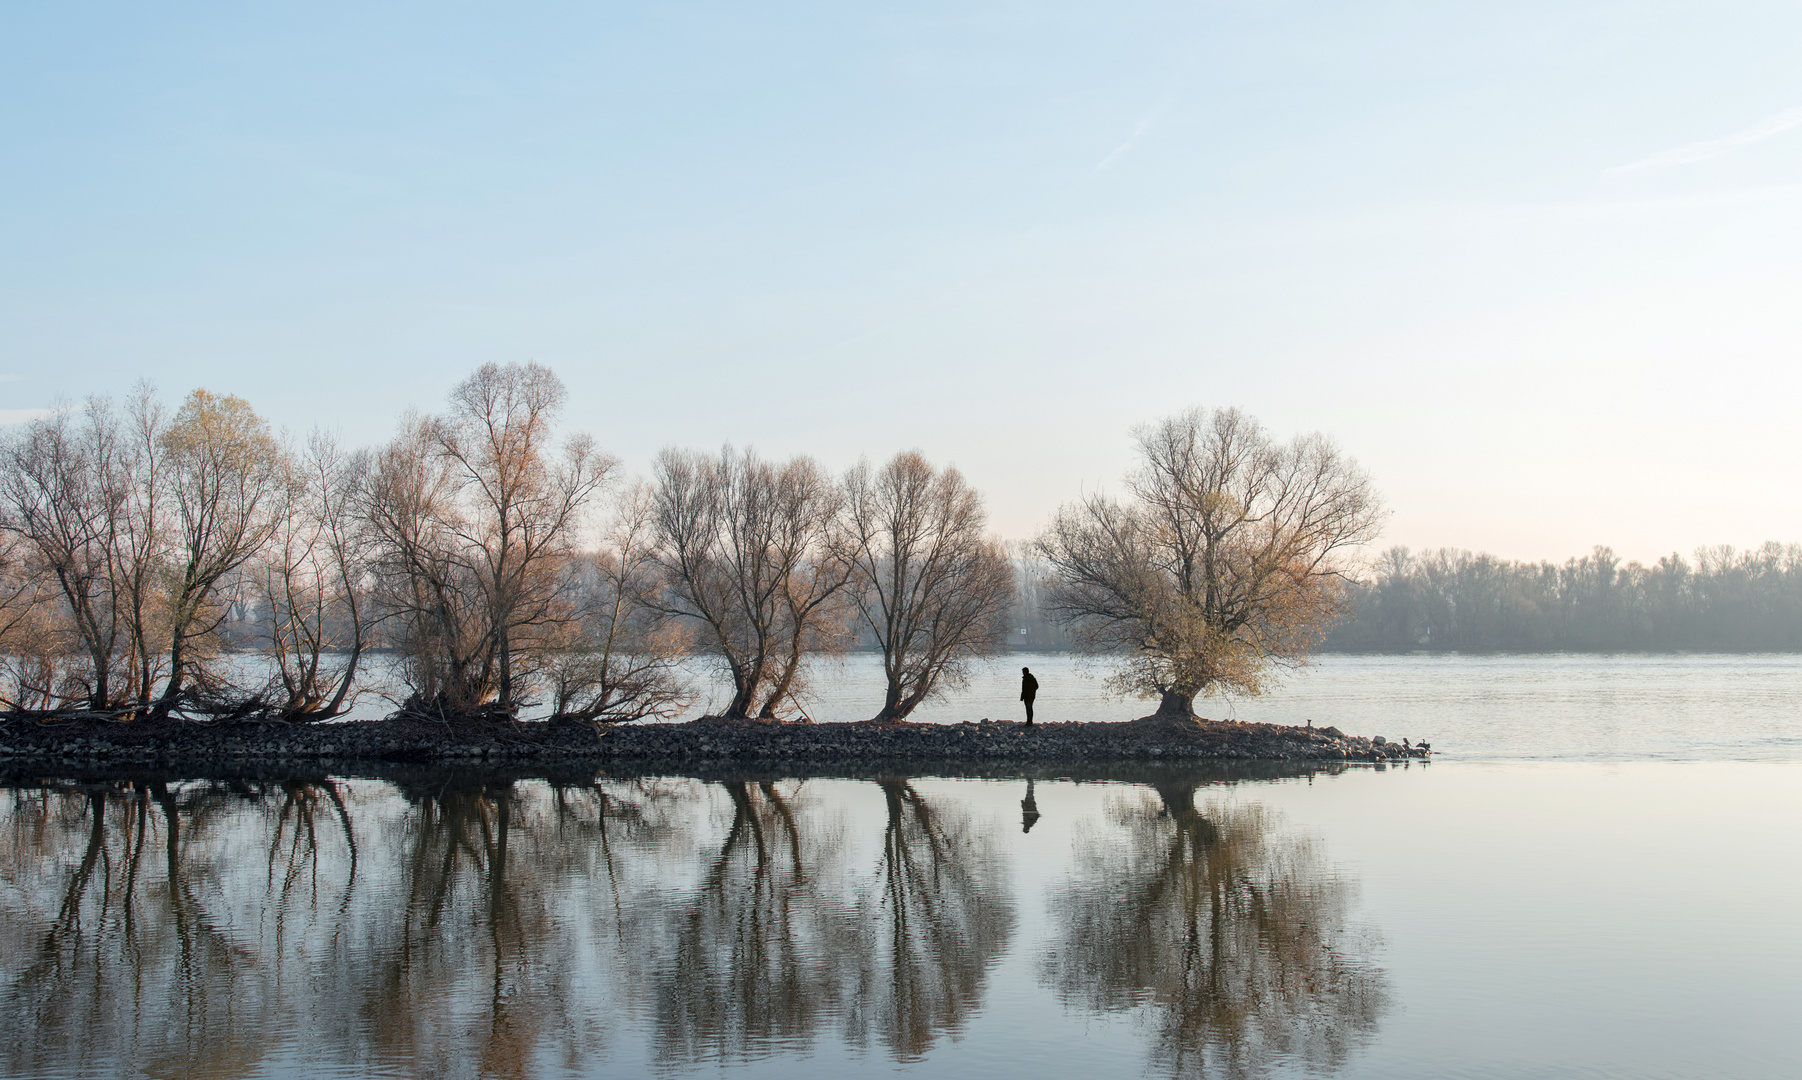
1026	671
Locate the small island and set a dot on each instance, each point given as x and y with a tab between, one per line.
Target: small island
704	743
192	591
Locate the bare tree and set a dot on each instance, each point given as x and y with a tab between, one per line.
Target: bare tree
931	586
140	571
1226	561
618	655
752	555
422	577
34	642
477	513
57	504
312	584
225	473
79	491
525	500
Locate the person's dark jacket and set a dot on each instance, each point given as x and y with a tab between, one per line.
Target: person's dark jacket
1029	687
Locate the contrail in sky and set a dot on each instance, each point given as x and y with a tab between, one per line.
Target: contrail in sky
1138	133
1691	153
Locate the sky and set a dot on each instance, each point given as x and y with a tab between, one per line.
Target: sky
1537	266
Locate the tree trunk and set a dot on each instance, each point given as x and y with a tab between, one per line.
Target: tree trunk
506	667
1177	704
891	702
172	690
783	681
344	683
745	680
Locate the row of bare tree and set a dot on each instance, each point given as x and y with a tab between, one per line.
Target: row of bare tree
506	566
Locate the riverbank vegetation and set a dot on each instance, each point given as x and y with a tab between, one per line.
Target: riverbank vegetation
163	563
501	563
1446	600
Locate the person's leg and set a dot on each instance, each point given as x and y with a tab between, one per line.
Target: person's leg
1029	711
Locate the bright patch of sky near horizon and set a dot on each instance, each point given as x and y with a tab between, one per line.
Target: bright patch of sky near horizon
1536	265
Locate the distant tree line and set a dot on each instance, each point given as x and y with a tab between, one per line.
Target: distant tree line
1448	599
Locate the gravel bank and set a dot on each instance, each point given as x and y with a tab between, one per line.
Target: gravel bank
705	743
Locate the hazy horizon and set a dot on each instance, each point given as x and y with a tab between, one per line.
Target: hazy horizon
1533	266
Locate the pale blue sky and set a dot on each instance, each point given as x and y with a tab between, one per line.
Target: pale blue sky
1537	265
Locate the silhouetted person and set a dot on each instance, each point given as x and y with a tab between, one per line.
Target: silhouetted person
1029	810
1029	689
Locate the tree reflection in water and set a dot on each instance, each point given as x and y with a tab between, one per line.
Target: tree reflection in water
491	961
941	916
1230	933
132	942
753	961
777	943
463	925
199	928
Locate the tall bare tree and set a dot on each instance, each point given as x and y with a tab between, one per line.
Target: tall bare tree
61	502
140	561
477	512
619	653
81	489
933	588
525	498
34	641
754	556
312	584
225	473
1226	561
422	576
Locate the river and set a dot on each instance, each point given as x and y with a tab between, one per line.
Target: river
1596	877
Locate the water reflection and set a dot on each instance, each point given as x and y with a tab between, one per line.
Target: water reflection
461	925
942	915
456	959
755	945
1230	933
119	903
782	940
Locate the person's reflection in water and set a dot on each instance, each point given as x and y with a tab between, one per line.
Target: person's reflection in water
1029	810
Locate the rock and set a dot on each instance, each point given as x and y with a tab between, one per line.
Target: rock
1154	739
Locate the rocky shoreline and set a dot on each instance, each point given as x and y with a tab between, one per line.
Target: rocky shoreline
699	744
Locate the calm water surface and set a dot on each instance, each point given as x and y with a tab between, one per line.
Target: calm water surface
1627	911
1505	707
1499	707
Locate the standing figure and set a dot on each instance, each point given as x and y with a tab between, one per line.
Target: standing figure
1029	689
1029	809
